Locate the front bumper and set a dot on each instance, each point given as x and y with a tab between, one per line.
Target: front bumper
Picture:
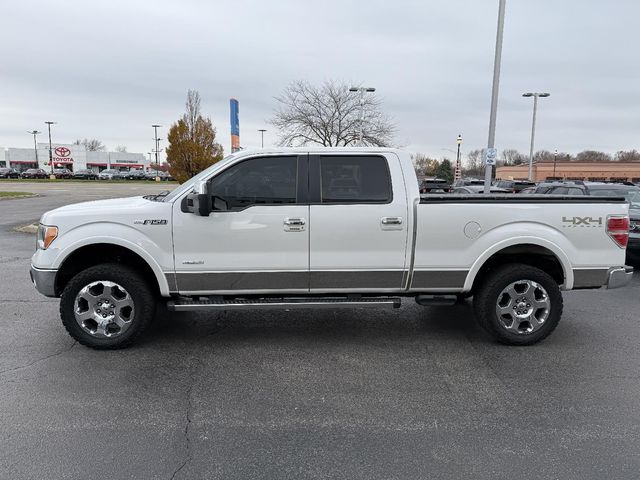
44	281
619	277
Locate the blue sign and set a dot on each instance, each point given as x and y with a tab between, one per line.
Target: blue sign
235	117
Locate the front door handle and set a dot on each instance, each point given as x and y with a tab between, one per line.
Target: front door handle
391	221
294	224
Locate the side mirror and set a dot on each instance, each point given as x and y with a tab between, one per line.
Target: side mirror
198	201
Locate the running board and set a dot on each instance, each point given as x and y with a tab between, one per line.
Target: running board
204	303
436	300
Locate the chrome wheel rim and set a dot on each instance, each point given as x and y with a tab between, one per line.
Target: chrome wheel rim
523	307
104	309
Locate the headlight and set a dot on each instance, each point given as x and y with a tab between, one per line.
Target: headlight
634	225
46	235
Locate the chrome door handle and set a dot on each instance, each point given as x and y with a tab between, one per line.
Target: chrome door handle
391	221
294	224
294	221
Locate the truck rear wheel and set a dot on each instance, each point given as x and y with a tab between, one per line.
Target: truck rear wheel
107	306
518	304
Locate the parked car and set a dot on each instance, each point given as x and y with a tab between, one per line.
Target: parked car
110	174
34	173
478	189
7	172
85	175
333	227
633	248
597	189
463	182
151	175
164	176
434	185
135	175
515	186
61	173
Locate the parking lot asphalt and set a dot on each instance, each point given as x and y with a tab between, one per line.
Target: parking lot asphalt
411	393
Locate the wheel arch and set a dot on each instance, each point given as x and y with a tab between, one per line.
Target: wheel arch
91	254
533	251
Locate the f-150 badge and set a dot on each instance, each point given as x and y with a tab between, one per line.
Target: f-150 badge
151	222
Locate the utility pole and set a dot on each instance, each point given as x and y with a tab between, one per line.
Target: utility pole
535	96
155	128
458	171
494	97
555	158
50	151
362	91
35	143
262	130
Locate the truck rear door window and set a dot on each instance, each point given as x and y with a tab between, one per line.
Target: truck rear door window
258	181
355	179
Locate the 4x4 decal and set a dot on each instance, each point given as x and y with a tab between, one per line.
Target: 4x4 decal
582	222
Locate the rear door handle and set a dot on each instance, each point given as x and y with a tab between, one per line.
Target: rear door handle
391	221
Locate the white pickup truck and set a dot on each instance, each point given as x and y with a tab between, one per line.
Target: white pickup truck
285	228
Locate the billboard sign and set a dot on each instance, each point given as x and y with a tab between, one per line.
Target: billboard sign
234	109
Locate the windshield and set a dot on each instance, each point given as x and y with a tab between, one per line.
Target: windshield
188	185
634	198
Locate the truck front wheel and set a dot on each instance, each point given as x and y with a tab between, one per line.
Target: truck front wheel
107	306
518	304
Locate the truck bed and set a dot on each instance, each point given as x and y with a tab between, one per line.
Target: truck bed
516	198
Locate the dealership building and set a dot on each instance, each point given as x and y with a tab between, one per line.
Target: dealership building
572	170
73	157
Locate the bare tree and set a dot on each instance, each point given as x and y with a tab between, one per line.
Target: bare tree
627	156
121	149
542	156
424	166
329	115
192	142
511	156
593	156
192	111
92	145
474	163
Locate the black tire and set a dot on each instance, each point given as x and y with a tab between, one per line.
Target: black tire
144	303
490	293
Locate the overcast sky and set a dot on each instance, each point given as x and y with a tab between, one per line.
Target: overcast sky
110	69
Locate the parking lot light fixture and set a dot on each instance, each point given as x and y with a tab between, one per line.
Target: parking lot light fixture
488	169
458	171
362	91
262	130
50	149
35	144
157	140
535	96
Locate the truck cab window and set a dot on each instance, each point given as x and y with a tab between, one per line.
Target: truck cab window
355	179
258	181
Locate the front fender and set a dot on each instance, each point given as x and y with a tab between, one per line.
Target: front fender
156	252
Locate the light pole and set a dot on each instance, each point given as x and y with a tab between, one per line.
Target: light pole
155	129
50	152
458	172
35	143
535	96
555	158
262	130
494	94
362	91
